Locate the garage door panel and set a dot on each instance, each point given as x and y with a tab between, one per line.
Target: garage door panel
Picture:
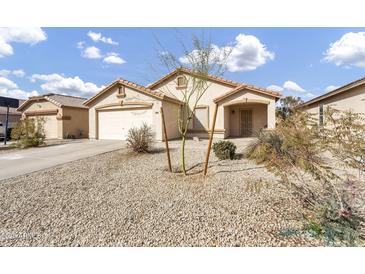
50	125
114	125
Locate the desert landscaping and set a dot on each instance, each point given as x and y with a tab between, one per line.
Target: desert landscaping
124	199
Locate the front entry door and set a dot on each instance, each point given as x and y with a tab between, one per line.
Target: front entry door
246	122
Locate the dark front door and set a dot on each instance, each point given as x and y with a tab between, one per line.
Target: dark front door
246	122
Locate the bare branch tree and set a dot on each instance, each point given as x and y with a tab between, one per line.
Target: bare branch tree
203	59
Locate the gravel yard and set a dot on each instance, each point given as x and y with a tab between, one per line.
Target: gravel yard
121	199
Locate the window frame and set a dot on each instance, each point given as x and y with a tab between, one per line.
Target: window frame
184	84
121	91
321	115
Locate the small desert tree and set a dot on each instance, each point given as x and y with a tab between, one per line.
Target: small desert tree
300	152
287	106
29	132
195	65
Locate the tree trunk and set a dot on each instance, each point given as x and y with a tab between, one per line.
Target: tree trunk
183	139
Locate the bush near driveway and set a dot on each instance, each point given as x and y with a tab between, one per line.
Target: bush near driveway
29	133
140	138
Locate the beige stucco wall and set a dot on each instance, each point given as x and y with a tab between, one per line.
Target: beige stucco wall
353	100
222	127
214	90
132	95
40	105
46	105
171	114
79	120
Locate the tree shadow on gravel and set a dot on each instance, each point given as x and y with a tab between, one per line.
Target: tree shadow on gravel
240	170
159	150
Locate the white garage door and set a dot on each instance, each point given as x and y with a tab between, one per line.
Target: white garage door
50	126
114	125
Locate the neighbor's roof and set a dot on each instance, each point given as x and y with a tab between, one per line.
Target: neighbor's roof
57	99
334	92
155	94
235	85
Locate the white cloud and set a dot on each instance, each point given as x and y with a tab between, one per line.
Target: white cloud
5	72
80	45
348	51
16	72
96	37
292	86
19	35
275	88
19	73
6	83
91	53
247	53
68	85
330	88
21	94
113	58
5	48
10	89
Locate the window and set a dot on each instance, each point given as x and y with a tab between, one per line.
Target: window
321	115
200	120
181	81
121	92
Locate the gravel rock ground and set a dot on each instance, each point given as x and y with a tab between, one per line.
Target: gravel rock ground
122	199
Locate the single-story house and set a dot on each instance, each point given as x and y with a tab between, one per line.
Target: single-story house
65	116
242	109
348	97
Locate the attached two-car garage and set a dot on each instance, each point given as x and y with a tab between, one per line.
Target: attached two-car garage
115	124
123	105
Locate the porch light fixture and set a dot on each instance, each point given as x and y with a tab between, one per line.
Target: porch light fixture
233	111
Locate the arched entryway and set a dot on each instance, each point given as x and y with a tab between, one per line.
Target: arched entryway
245	118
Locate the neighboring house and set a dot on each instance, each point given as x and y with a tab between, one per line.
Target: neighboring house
14	115
242	109
65	116
348	97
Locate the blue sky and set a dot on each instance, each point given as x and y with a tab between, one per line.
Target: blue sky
296	61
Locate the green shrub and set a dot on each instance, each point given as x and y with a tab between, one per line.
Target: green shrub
140	138
224	150
29	132
335	225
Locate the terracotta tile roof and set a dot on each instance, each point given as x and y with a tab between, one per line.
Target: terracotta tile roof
334	92
221	80
66	100
135	86
249	87
191	72
57	99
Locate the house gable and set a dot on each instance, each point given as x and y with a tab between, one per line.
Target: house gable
37	104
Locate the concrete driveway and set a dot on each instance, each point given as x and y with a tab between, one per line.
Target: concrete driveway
21	162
